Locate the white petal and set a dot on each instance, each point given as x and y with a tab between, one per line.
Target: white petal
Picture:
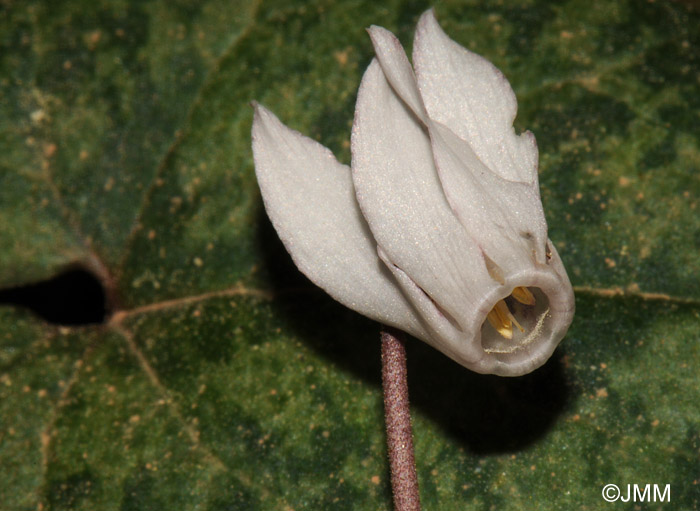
504	217
469	95
402	199
445	334
310	200
397	69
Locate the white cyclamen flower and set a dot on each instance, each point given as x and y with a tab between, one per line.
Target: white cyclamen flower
437	228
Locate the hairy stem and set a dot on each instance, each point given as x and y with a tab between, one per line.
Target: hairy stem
404	481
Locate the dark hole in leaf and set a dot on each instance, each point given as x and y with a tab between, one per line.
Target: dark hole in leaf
74	297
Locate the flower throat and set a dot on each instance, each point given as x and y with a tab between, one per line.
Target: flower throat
500	317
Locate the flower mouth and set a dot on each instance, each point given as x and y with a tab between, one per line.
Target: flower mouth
515	322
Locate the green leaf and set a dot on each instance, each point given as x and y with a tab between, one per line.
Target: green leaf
222	379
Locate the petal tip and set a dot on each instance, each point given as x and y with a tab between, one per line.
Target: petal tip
260	114
428	21
427	16
382	39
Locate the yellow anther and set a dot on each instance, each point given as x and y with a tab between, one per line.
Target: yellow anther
500	319
515	322
523	295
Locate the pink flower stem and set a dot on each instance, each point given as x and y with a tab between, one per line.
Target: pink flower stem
404	481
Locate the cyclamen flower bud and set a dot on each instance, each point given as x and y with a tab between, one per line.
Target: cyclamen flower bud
438	228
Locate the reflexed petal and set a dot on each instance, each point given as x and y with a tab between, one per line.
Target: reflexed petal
402	199
310	200
397	69
469	95
506	217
